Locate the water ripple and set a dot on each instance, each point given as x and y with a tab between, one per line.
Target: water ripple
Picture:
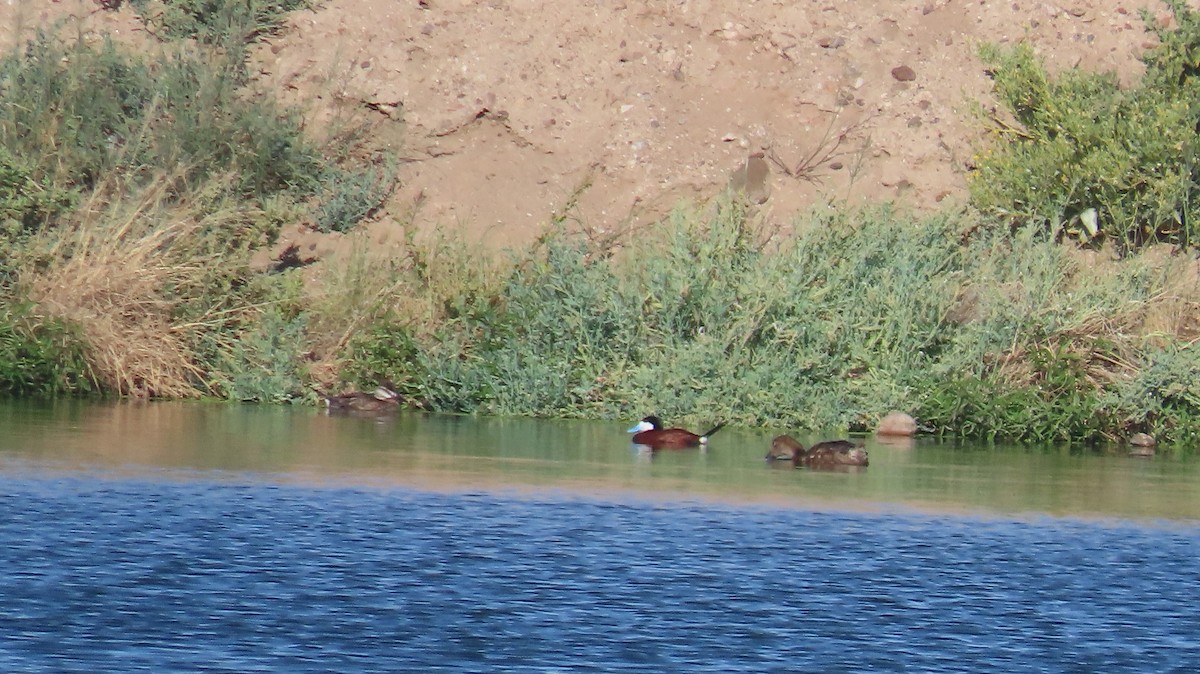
121	576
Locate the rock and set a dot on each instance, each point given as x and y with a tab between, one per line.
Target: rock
1142	440
752	178
904	74
896	423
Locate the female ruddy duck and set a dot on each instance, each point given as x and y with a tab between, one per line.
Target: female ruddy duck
381	400
827	454
649	432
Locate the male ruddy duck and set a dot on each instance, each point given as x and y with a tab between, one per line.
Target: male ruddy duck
827	454
649	432
381	400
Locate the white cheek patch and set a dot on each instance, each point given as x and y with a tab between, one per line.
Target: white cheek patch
641	426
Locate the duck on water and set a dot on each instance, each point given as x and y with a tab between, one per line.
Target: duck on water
381	400
650	433
827	454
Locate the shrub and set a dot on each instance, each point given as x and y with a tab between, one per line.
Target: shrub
264	364
218	22
717	319
40	357
1089	160
1163	396
348	197
386	352
86	112
25	204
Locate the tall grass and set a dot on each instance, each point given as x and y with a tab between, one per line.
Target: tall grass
133	186
122	269
975	332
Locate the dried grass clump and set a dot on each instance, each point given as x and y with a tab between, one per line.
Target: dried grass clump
118	270
415	284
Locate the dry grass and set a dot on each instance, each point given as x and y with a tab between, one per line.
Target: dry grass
413	284
118	270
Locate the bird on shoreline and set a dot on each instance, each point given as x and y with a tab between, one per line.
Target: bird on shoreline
650	432
827	454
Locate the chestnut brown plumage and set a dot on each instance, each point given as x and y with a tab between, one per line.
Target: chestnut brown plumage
827	454
650	433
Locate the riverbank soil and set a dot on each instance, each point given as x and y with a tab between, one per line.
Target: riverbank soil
606	114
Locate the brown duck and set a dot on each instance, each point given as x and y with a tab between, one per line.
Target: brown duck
380	401
827	454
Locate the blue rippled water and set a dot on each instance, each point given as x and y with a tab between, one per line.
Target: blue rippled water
111	575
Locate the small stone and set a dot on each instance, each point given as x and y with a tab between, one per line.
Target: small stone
896	423
904	74
1142	440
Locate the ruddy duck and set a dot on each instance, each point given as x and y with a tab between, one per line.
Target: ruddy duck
381	400
827	454
649	432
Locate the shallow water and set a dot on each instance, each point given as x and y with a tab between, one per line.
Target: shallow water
243	539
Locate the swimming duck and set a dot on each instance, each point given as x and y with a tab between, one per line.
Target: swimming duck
649	432
381	400
827	454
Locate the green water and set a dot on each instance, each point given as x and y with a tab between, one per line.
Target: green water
448	453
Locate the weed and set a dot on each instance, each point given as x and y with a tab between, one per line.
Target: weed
1088	160
218	22
265	365
351	196
41	357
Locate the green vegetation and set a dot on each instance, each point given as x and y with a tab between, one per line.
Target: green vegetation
40	357
217	22
134	189
1092	161
1008	336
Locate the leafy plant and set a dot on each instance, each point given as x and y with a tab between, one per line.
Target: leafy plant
39	357
264	365
229	23
1087	159
24	203
1163	397
348	197
387	353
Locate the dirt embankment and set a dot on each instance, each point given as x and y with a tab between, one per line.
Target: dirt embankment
508	112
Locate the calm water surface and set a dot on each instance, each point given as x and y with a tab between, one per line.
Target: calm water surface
242	539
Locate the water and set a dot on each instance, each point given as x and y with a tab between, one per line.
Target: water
207	538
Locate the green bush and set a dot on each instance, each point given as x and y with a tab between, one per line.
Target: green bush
828	330
1163	397
40	357
25	204
1058	403
264	364
228	23
1091	160
67	109
386	353
976	331
348	197
73	112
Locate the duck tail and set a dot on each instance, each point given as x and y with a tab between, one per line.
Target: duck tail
708	434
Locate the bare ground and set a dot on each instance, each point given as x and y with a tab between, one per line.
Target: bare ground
508	113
